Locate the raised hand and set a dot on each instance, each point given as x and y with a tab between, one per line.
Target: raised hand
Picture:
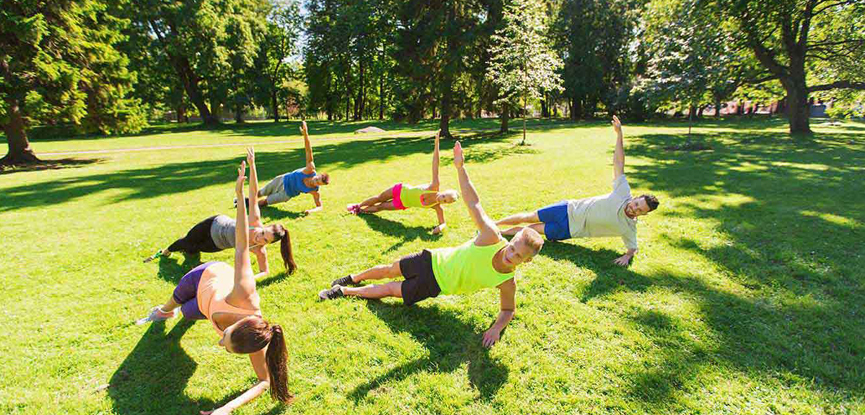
303	129
250	156
458	155
617	125
241	176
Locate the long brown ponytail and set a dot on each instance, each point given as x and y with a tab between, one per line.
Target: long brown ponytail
284	238
254	334
277	367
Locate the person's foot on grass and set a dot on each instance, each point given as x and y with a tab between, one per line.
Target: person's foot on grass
161	253
156	314
331	294
344	281
245	199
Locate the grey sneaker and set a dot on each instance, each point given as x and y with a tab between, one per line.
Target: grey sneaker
156	314
331	293
344	281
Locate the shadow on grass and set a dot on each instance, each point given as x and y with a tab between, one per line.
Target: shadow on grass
50	164
272	214
154	375
398	230
791	237
172	271
450	343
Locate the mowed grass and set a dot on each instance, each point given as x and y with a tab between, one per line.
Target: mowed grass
747	295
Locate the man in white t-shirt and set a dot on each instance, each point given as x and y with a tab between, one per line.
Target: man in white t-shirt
613	214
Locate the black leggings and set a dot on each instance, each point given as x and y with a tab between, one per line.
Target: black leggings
197	240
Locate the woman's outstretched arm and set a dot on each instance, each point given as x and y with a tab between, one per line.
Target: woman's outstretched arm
254	211
434	184
244	283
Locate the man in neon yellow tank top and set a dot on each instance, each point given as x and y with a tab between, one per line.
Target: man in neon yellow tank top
485	261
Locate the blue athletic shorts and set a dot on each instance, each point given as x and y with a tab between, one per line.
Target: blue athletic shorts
555	219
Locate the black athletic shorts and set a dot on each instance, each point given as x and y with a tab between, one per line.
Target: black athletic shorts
420	282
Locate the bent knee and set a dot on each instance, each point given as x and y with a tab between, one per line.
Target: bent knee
394	271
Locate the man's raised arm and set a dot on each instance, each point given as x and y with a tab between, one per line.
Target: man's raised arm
310	166
619	154
488	231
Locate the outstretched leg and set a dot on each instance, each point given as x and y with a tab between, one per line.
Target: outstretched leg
378	272
539	227
525	217
378	208
391	289
385	196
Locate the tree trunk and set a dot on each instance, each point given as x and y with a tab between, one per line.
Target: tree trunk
717	108
20	151
504	117
797	106
545	111
275	105
525	115
381	97
190	85
238	114
181	114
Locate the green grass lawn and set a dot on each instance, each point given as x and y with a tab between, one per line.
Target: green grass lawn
747	295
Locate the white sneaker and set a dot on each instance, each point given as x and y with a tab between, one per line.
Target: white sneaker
156	314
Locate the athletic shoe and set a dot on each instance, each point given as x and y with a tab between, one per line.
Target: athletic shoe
344	281
354	209
331	294
156	314
159	253
245	199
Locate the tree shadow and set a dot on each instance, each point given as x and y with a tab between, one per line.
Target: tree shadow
450	343
786	234
154	375
171	270
275	214
49	164
611	277
398	230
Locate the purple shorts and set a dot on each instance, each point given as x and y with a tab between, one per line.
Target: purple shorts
187	289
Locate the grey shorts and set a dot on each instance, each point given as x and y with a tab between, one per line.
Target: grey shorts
274	191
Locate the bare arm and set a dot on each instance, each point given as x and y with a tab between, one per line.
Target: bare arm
489	233
507	297
244	283
259	364
619	154
316	197
434	184
261	258
254	211
441	216
310	165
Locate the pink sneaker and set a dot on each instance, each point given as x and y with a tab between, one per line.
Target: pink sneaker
354	209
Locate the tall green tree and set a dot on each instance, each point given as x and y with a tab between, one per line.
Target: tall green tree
689	62
58	63
800	39
523	63
272	65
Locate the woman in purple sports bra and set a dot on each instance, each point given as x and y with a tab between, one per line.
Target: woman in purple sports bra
226	296
401	196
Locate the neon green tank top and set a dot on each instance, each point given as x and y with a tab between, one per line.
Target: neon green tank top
411	197
467	268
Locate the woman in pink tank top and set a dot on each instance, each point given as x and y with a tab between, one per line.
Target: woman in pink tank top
227	297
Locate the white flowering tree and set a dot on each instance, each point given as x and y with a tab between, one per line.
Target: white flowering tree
523	63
